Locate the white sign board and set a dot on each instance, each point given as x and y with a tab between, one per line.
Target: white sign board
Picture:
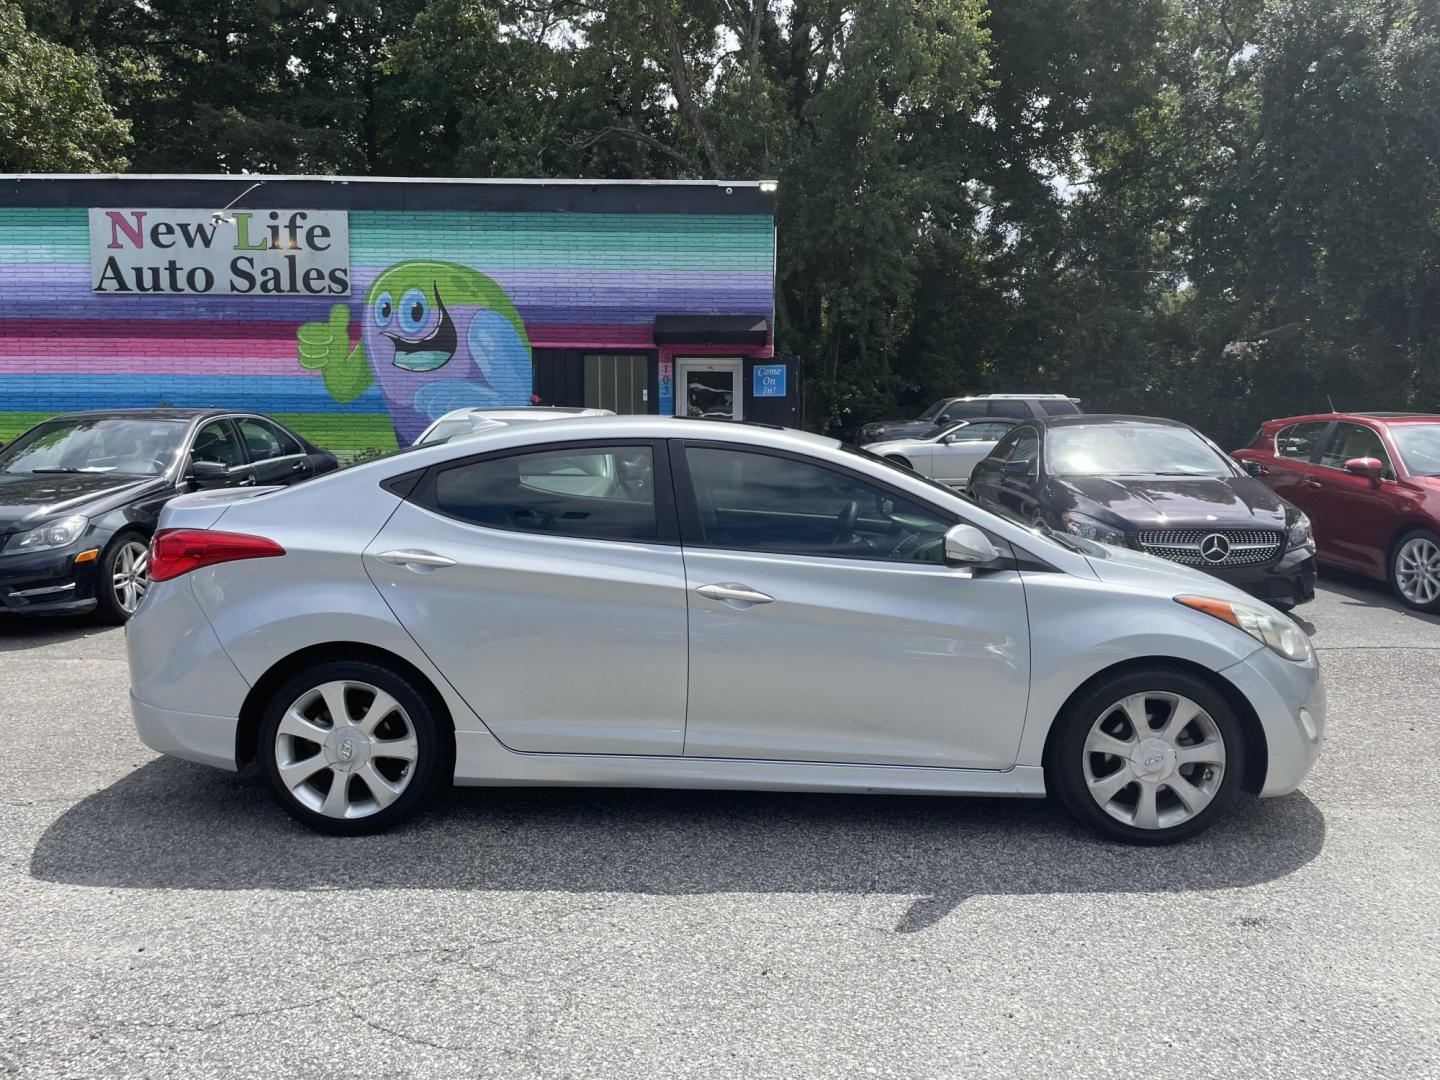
245	253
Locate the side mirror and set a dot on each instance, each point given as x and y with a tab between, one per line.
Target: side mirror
1365	466
1019	470
966	545
208	472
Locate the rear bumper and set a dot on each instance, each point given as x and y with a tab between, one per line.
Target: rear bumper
209	740
1289	699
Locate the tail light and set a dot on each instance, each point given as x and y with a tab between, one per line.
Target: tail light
178	551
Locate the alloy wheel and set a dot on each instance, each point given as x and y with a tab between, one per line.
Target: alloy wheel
346	749
130	575
1417	570
1154	760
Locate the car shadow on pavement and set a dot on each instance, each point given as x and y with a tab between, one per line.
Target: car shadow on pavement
172	825
18	634
1356	590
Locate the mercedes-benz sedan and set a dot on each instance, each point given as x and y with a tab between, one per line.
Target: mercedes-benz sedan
642	601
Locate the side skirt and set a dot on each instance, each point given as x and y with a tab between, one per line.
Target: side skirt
480	761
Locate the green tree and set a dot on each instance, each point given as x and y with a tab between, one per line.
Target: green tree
53	116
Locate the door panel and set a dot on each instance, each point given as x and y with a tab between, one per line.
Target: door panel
560	644
1355	516
856	661
546	585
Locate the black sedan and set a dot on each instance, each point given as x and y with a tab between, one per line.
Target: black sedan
1156	486
80	495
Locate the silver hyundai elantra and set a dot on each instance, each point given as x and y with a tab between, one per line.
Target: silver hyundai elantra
657	602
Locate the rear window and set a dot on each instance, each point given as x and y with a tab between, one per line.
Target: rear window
1058	407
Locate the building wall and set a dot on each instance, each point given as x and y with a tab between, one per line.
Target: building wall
576	280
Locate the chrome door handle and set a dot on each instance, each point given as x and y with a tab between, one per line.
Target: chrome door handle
414	559
733	593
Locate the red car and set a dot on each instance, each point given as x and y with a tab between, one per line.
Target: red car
1370	483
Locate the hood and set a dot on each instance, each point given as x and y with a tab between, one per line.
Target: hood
1121	566
27	499
900	429
1175	502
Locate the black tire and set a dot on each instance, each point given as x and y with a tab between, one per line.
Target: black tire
1065	759
1431	608
433	742
108	609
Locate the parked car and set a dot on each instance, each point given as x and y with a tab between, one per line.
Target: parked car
774	612
80	495
459	422
1157	486
1371	484
947	452
950	410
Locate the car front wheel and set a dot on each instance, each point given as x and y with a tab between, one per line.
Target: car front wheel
350	748
1415	570
1148	757
124	578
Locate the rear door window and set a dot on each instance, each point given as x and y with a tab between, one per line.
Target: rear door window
1298	441
599	492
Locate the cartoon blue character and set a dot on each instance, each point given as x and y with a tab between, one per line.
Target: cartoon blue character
436	335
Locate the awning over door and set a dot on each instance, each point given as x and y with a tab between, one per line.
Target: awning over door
721	329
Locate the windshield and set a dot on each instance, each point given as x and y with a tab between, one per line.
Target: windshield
125	445
1419	446
1132	450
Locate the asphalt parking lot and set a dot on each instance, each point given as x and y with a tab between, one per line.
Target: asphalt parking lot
162	919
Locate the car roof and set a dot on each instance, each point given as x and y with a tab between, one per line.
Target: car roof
1102	420
640	426
1387	417
158	413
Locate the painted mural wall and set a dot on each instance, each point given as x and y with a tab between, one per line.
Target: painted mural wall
443	309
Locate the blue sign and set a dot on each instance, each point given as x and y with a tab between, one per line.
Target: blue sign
769	380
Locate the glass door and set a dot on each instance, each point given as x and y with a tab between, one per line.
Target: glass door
709	388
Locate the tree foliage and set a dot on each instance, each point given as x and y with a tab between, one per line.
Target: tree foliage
1212	209
53	115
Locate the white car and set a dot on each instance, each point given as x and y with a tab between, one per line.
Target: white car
660	602
459	422
946	452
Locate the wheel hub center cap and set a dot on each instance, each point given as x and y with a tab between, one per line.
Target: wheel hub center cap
347	750
1153	759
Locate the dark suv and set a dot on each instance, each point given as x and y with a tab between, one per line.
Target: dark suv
80	495
949	410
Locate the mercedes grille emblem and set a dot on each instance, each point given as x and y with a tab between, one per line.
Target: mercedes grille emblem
1215	548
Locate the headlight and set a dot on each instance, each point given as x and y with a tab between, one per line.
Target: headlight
1265	625
1299	534
1091	529
55	535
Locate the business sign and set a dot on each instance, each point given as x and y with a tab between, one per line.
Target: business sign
242	253
769	380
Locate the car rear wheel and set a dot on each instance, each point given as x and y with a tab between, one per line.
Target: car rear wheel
1148	757
350	748
124	578
1415	570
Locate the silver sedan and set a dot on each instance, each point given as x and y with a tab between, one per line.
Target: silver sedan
659	602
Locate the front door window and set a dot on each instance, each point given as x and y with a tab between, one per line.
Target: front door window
709	389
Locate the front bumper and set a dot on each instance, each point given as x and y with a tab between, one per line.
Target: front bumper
49	582
1289	699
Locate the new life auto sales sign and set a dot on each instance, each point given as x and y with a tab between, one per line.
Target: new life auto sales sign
245	253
